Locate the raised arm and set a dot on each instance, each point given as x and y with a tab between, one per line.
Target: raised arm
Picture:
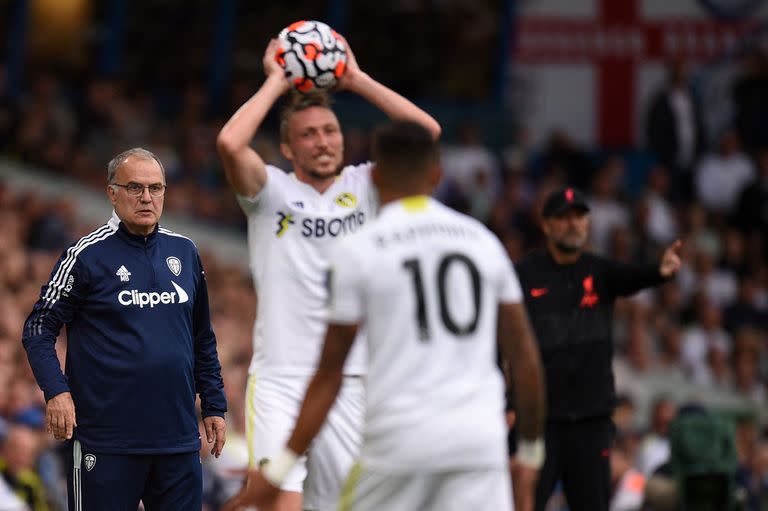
385	99
245	169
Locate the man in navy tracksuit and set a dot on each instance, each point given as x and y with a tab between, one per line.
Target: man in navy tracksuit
140	347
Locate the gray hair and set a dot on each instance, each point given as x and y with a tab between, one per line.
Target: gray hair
138	152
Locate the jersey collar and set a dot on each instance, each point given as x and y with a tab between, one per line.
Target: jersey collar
137	239
410	204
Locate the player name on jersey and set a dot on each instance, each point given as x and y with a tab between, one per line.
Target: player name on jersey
425	231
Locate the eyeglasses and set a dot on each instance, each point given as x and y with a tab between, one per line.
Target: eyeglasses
137	190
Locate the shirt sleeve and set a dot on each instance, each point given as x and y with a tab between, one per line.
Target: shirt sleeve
251	204
345	285
57	306
208	381
363	170
627	279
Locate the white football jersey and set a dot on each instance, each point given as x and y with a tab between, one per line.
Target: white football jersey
290	228
426	282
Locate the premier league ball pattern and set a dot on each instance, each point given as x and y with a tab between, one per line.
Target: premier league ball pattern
312	55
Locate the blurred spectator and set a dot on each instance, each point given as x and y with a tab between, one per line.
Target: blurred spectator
624	414
51	223
657	216
674	129
748	345
721	176
7	109
669	360
607	211
734	256
705	334
47	123
512	213
655	448
751	214
750	97
717	374
474	169
699	231
18	455
632	369
564	158
702	275
9	501
749	308
628	484
753	476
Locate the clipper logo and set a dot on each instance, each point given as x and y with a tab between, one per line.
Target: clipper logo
142	299
89	460
346	199
283	222
124	274
174	265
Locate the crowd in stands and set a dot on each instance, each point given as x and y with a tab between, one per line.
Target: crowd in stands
707	330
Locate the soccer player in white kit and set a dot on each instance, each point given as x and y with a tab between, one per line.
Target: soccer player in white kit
434	290
292	220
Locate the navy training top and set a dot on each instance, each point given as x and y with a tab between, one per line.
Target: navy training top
139	340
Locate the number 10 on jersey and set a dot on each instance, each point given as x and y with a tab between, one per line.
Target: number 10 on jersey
413	266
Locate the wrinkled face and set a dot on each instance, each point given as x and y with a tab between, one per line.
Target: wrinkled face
140	213
567	232
315	143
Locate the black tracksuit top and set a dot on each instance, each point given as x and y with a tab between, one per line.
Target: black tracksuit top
571	310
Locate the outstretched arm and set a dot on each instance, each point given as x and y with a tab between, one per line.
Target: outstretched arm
262	486
625	279
245	169
385	99
324	387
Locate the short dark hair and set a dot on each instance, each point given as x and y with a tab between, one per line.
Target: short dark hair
403	149
299	101
136	152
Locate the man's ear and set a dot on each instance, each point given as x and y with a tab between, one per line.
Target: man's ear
112	193
285	149
544	226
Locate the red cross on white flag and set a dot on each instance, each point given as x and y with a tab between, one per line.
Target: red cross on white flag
589	64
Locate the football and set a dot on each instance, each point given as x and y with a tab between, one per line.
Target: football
312	54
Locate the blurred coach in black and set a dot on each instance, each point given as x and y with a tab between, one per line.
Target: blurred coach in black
569	294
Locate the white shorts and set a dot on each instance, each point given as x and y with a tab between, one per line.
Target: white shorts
272	407
475	489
